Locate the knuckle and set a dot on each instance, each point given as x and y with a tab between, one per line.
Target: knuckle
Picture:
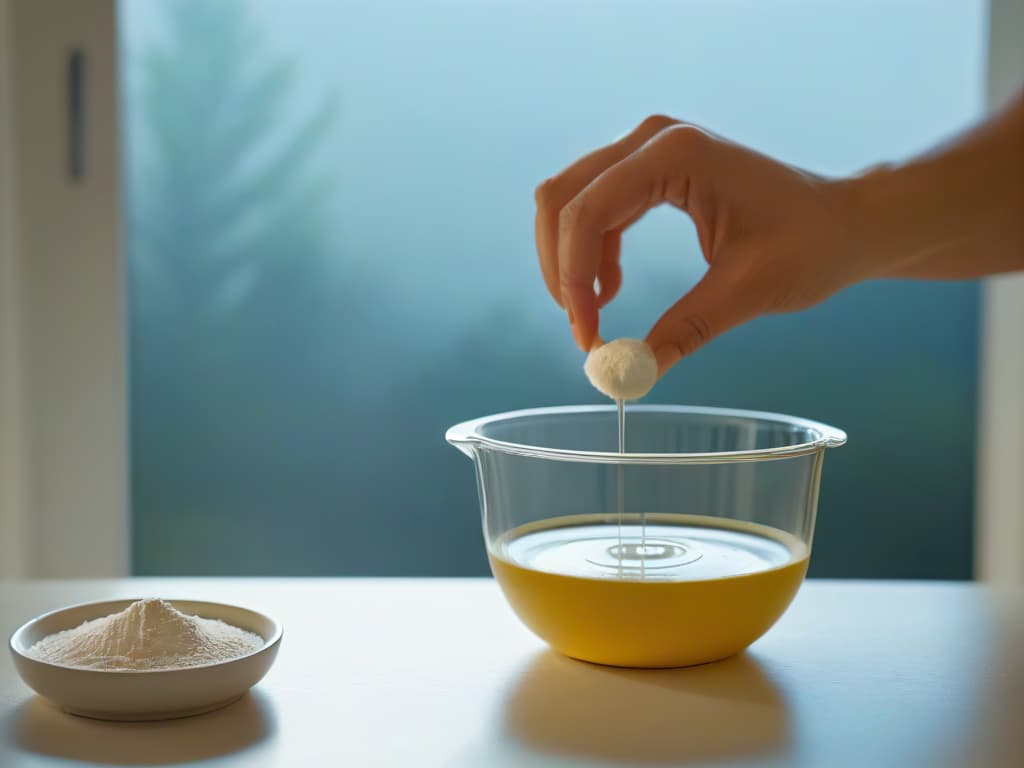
545	193
697	329
567	285
654	124
578	212
682	137
571	277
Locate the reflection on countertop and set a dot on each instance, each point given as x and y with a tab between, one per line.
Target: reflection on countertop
729	710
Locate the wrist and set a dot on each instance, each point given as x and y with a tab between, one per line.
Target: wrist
876	207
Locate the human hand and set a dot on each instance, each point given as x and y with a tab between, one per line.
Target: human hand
776	239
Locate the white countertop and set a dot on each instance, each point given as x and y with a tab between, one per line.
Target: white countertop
438	672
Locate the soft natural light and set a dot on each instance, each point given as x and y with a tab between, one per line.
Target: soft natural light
329	231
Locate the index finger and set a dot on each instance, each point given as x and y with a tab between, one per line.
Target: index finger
656	173
553	194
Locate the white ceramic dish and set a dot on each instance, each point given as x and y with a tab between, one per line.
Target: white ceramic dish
147	695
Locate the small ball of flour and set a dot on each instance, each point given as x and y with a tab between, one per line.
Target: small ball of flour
624	369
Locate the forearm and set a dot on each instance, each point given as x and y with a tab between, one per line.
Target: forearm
954	213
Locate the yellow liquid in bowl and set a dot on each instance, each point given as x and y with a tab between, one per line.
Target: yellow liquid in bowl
693	590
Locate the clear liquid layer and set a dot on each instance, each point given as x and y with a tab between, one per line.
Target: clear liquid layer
655	551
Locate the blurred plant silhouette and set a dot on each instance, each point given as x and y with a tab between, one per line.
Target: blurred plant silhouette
225	200
234	297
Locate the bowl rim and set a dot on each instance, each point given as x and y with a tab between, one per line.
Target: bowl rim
468	434
277	632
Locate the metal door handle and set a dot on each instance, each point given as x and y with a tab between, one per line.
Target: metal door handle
76	114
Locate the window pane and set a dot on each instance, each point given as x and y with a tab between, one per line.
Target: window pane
329	210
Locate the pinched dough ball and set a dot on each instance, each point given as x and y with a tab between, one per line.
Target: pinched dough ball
624	369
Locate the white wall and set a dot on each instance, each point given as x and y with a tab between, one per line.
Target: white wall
61	345
11	477
999	531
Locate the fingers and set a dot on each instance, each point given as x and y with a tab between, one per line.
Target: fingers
655	173
553	194
719	302
609	273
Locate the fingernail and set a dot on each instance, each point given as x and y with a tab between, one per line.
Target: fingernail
575	330
667	355
579	338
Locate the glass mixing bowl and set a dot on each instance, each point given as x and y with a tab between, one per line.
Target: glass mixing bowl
683	549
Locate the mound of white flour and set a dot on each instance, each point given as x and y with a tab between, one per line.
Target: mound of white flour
147	635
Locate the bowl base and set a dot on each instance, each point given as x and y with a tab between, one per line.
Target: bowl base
668	665
138	717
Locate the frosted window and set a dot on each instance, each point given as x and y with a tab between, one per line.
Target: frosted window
329	232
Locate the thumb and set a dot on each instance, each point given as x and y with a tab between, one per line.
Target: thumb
714	305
